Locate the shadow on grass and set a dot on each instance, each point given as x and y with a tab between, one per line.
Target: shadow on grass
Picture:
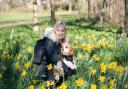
79	22
88	24
83	23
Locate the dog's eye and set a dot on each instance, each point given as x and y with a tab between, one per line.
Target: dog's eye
66	46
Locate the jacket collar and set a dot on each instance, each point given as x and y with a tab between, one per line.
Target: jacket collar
49	33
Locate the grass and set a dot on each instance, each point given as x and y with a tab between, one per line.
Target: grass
86	38
8	17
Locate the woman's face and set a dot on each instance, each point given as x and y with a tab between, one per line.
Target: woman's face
60	32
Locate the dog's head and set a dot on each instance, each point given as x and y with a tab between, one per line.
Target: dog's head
67	49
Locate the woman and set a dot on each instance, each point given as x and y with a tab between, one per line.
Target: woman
51	52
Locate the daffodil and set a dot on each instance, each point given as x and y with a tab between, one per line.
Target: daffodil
82	46
27	65
75	46
93	72
96	57
24	73
52	83
79	82
17	67
112	65
111	84
49	66
78	37
91	37
102	79
103	42
30	50
104	87
119	69
43	87
63	86
48	84
19	56
31	87
103	68
88	47
93	86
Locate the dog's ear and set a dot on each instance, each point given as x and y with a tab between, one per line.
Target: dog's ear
72	52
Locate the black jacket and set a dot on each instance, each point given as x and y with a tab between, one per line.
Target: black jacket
48	50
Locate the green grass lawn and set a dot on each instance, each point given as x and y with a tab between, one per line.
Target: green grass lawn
100	55
8	17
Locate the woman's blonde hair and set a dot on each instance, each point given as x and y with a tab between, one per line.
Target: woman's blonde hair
58	24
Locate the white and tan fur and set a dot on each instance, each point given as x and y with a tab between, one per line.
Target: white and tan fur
67	50
49	32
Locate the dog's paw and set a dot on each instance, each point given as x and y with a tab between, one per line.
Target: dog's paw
57	78
71	66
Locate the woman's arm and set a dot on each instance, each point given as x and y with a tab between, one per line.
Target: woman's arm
52	52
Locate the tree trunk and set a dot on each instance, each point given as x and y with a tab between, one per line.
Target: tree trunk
35	16
102	12
52	10
70	5
126	19
39	4
89	9
94	8
11	3
110	9
77	6
60	5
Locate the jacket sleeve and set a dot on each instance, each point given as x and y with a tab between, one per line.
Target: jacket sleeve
39	52
52	53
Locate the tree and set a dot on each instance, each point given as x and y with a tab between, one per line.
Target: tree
110	9
77	5
103	2
89	9
60	1
35	16
125	32
70	5
52	10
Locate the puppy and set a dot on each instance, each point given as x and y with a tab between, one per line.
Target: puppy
67	54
